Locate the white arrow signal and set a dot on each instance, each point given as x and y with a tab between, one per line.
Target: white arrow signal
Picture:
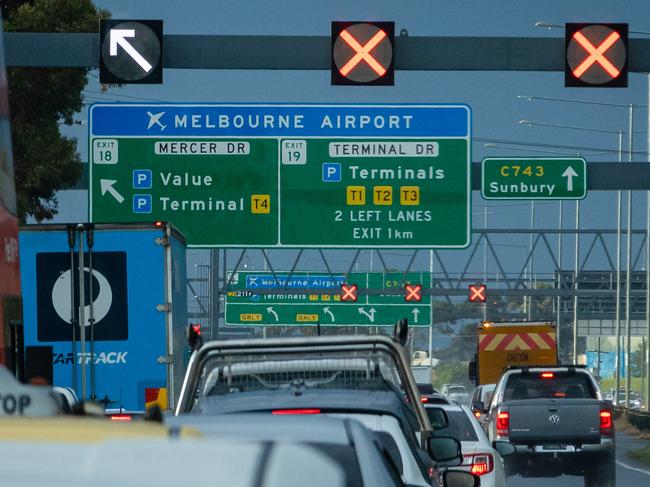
106	185
370	314
416	313
326	309
118	37
569	174
270	310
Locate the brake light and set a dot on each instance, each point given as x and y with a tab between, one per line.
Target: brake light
481	463
120	417
477	414
424	399
158	224
503	423
296	411
547	375
605	422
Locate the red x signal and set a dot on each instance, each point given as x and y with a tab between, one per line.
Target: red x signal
362	53
413	292
477	293
349	292
596	55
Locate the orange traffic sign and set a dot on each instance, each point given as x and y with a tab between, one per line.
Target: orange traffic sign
477	293
413	292
349	292
596	55
362	53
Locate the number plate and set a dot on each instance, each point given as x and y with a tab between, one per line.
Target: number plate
554	447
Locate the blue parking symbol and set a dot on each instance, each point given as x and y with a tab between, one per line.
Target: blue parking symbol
332	172
141	203
142	178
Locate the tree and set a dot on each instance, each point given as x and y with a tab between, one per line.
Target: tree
40	99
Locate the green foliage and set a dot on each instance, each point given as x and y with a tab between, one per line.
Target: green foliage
40	99
451	373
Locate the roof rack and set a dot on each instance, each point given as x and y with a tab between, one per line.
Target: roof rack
526	368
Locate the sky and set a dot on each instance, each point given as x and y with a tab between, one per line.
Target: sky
493	96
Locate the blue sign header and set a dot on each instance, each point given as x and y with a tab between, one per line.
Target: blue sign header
290	120
280	281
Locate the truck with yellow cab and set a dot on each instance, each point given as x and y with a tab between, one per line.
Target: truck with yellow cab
501	345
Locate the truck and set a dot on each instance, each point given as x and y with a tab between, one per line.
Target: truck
500	345
557	420
132	349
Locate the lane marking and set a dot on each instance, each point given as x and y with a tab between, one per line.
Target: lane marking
629	467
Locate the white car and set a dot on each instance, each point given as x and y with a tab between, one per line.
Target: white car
479	456
456	392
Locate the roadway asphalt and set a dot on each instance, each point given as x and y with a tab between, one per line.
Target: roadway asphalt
628	472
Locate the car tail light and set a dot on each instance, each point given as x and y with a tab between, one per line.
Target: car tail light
296	411
424	399
606	422
477	414
480	463
120	417
547	375
503	423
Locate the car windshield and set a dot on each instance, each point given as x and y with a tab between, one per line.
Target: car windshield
548	385
459	425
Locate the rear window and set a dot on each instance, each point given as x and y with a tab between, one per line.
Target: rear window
457	390
559	385
459	426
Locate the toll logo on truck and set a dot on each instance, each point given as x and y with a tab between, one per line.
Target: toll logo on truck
105	296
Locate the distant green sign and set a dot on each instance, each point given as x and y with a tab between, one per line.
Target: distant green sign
534	178
322	303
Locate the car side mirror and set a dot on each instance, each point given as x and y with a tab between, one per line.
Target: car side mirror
445	449
480	407
504	448
456	478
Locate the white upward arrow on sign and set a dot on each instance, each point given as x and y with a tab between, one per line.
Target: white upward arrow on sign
569	174
118	37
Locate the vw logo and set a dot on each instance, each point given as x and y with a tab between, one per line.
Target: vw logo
554	419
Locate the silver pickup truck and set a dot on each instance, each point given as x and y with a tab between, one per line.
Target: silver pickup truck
558	421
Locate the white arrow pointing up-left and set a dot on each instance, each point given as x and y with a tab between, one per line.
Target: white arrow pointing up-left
118	37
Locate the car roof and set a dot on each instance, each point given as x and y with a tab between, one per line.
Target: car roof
290	427
165	463
377	402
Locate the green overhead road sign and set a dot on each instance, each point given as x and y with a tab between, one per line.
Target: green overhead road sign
534	178
339	176
251	300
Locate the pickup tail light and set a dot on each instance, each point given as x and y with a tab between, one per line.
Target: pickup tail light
606	422
479	463
120	417
296	411
503	423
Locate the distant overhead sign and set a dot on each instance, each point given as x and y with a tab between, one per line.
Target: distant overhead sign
362	53
131	51
596	55
286	175
534	178
310	298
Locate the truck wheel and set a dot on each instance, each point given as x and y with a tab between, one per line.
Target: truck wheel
602	475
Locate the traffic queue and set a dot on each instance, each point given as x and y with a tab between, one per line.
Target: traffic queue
341	410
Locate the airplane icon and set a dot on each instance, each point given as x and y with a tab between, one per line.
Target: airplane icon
154	119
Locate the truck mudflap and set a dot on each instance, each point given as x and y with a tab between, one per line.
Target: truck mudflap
555	424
